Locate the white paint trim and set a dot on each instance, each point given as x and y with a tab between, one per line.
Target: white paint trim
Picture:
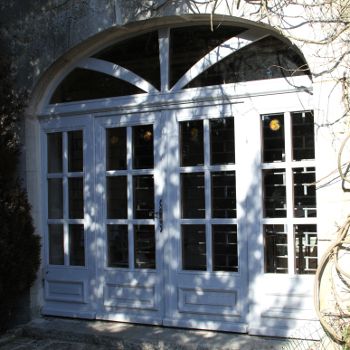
116	71
219	53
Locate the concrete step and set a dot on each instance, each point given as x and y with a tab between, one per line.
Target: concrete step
124	336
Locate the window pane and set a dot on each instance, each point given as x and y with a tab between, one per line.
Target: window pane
190	44
140	55
54	152
274	190
116	148
82	84
143	197
303	135
75	151
192	195
191	143
273	138
76	198
56	247
118	245
142	137
265	59
276	248
304	192
117	200
193	247
225	252
76	245
222	141
145	248
55	198
223	196
305	249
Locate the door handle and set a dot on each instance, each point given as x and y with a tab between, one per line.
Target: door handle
159	215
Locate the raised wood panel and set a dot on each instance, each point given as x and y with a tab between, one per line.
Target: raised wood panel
65	291
208	301
135	297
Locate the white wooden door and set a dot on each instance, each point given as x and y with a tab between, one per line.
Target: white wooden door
206	257
130	184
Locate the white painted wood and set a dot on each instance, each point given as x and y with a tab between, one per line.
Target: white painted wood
217	54
116	71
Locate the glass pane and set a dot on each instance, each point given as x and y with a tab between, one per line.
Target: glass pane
191	143
303	135
117	200
55	198
139	55
145	247
143	196
190	44
223	194
273	138
265	59
305	237
194	256
118	245
82	84
56	247
192	195
75	150
142	141
276	248
116	148
222	141
274	181
76	245
54	152
304	192
76	198
225	252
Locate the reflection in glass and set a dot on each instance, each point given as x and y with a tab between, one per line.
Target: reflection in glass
192	195
267	58
54	152
116	148
76	245
273	138
75	150
76	198
191	143
56	247
223	194
190	44
118	245
276	248
274	182
225	250
222	141
303	135
83	84
194	255
117	201
304	192
305	237
55	198
143	196
142	141
145	248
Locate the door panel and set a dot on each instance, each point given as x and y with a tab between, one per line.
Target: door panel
130	270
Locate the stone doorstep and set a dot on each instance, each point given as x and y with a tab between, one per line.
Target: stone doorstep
124	336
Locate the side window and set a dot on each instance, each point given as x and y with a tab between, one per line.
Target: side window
289	193
65	198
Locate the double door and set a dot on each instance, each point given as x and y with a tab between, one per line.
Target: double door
170	234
